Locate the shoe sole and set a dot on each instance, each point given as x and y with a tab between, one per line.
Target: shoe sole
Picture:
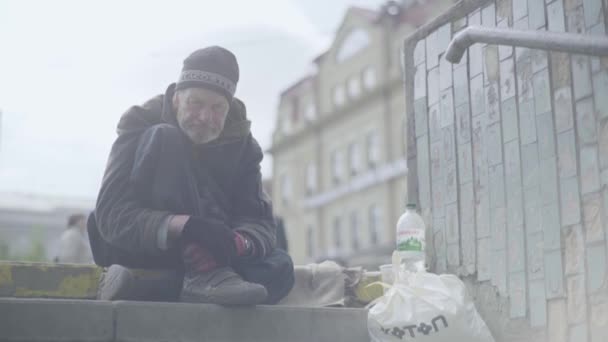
115	284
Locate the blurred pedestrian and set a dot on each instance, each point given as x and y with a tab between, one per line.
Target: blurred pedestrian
74	243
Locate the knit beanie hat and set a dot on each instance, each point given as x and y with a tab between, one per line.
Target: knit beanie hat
214	68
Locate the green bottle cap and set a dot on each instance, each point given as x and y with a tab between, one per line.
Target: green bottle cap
411	206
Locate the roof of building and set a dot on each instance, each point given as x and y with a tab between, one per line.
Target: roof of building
418	14
297	84
413	13
364	12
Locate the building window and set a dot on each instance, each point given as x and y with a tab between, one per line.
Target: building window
355	241
337	233
285	125
311	178
337	166
285	189
310	112
374	224
357	40
373	149
354	156
295	110
354	86
310	241
369	78
339	97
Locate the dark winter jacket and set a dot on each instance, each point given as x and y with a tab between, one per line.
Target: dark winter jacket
123	231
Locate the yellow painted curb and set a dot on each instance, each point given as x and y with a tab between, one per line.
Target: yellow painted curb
38	280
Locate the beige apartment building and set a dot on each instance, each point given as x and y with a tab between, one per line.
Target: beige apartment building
339	168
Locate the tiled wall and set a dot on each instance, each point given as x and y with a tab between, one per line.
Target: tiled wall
510	149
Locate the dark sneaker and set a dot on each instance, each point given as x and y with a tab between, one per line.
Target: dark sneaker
221	286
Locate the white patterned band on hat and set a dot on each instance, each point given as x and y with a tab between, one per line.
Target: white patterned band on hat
208	78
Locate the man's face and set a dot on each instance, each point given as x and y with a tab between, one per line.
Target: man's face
201	113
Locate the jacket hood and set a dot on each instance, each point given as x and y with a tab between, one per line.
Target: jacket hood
159	109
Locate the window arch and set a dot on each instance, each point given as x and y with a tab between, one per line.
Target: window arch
356	40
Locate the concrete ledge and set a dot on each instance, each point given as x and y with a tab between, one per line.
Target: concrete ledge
38	280
67	281
192	322
81	320
55	320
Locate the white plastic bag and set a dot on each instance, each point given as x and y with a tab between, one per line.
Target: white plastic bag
426	307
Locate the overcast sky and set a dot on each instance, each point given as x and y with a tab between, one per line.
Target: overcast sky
69	69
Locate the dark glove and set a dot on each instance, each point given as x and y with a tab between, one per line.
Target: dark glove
213	235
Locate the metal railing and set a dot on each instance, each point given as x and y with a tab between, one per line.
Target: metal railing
544	40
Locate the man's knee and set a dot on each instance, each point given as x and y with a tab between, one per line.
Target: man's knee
283	264
283	275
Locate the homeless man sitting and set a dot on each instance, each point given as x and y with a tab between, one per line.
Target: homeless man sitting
182	195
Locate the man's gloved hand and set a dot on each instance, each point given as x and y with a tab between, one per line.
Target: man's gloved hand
213	235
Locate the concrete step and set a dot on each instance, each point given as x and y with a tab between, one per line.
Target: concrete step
84	320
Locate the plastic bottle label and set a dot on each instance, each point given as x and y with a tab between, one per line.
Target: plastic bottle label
411	240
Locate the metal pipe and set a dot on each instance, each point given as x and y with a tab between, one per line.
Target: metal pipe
543	40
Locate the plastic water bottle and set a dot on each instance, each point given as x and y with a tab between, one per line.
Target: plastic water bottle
411	244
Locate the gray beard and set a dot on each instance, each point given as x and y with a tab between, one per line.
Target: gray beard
199	138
